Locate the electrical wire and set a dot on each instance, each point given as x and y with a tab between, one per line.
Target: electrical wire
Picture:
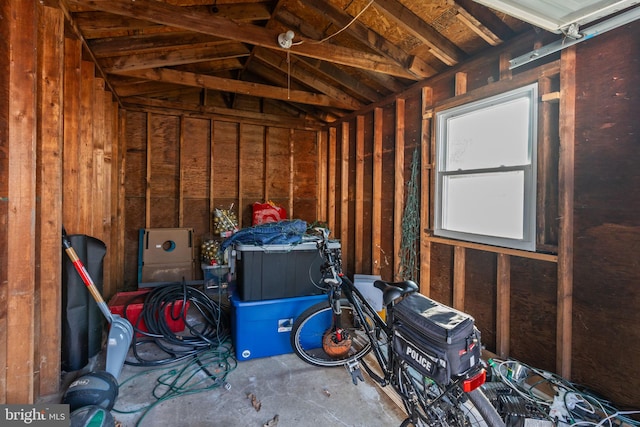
355	18
204	331
580	407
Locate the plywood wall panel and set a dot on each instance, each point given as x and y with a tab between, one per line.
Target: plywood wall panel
606	220
305	177
480	293
533	312
195	158
252	163
225	162
277	158
442	273
165	156
136	154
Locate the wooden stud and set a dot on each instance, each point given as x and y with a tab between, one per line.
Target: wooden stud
398	207
503	305
21	202
49	212
86	161
71	130
459	279
460	83
344	194
505	72
359	202
376	214
566	186
331	195
292	177
265	166
212	176
147	196
181	172
322	194
240	142
425	190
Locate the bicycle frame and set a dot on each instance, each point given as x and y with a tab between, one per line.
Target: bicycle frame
344	329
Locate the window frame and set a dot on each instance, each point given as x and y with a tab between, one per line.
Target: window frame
529	169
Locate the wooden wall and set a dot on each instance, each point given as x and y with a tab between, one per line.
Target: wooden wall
571	306
61	163
180	168
69	154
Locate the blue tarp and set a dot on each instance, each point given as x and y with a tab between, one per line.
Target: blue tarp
273	233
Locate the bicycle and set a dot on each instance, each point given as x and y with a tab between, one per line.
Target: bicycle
436	389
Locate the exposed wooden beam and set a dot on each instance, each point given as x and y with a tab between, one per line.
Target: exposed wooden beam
440	46
205	23
306	78
235	86
175	57
118	46
566	184
371	39
342	78
481	20
465	13
220	113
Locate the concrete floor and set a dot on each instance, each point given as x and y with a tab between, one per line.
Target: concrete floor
274	391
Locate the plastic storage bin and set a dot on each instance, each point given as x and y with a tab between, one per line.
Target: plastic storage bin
215	276
278	271
263	328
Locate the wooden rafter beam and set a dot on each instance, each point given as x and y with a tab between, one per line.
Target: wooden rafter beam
482	21
370	38
235	86
140	61
273	59
207	23
440	46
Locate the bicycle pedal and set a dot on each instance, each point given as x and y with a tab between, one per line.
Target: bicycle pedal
353	366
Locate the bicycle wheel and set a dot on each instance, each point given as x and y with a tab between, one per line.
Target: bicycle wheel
454	409
313	342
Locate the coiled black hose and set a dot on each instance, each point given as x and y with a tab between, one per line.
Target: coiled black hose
206	329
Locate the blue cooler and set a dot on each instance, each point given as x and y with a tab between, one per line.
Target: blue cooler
263	328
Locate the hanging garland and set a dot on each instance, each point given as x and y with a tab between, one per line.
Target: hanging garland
411	226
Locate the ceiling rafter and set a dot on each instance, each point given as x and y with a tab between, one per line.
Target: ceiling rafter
440	46
221	51
235	86
371	39
198	21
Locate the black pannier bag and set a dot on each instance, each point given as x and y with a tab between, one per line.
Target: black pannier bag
437	340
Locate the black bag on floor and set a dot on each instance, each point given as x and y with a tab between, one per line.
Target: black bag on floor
437	340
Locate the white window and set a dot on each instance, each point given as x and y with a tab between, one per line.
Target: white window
486	170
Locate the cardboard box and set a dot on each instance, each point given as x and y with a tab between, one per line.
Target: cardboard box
167	273
166	246
278	271
263	328
130	305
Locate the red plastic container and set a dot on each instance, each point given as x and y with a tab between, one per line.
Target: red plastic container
134	303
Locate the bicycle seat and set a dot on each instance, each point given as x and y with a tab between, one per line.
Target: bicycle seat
393	290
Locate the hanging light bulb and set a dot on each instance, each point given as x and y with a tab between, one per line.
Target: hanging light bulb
285	39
